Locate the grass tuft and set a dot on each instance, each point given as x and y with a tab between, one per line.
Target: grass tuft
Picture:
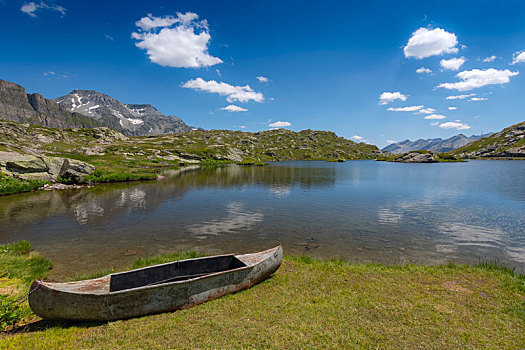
11	185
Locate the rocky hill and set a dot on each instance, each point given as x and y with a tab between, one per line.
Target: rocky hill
106	148
437	145
130	119
508	143
18	106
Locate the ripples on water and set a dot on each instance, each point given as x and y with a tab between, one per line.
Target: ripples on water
358	210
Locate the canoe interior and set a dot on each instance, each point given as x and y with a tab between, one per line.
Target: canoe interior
171	272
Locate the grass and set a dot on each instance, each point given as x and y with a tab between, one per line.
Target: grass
18	261
11	185
310	303
101	176
252	161
19	266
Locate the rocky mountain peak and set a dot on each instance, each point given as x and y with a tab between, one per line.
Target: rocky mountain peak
131	119
18	106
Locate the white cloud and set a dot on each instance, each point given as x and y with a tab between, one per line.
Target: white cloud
460	97
518	57
489	59
182	41
478	99
426	43
390	141
435	116
31	8
109	37
434	123
218	73
387	97
405	109
423	70
453	63
279	124
242	126
150	22
263	79
233	108
452	108
357	137
476	78
233	93
426	111
454	125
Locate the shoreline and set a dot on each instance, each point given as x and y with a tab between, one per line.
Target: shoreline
368	303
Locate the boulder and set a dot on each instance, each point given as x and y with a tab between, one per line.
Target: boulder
30	167
76	170
55	166
26	164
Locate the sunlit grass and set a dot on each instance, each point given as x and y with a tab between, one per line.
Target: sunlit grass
310	303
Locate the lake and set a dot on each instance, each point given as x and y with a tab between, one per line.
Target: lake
362	211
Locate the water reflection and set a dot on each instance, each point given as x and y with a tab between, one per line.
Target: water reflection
361	210
237	219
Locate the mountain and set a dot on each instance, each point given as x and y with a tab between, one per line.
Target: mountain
130	119
437	145
508	143
18	106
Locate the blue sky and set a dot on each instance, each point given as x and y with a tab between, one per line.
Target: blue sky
321	65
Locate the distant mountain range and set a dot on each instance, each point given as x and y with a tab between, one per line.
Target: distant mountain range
84	109
437	145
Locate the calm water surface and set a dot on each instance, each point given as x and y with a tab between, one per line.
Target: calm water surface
360	210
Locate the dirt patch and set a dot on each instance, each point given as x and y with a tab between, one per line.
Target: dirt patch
454	286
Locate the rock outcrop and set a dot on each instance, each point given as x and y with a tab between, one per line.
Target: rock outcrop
30	167
416	157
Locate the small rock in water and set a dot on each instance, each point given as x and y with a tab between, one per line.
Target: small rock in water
130	252
302	244
401	248
359	249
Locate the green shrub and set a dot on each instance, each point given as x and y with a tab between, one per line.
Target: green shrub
10	312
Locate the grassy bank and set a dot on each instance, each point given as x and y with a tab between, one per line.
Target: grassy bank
323	304
10	185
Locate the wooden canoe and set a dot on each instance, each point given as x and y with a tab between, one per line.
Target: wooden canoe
153	289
